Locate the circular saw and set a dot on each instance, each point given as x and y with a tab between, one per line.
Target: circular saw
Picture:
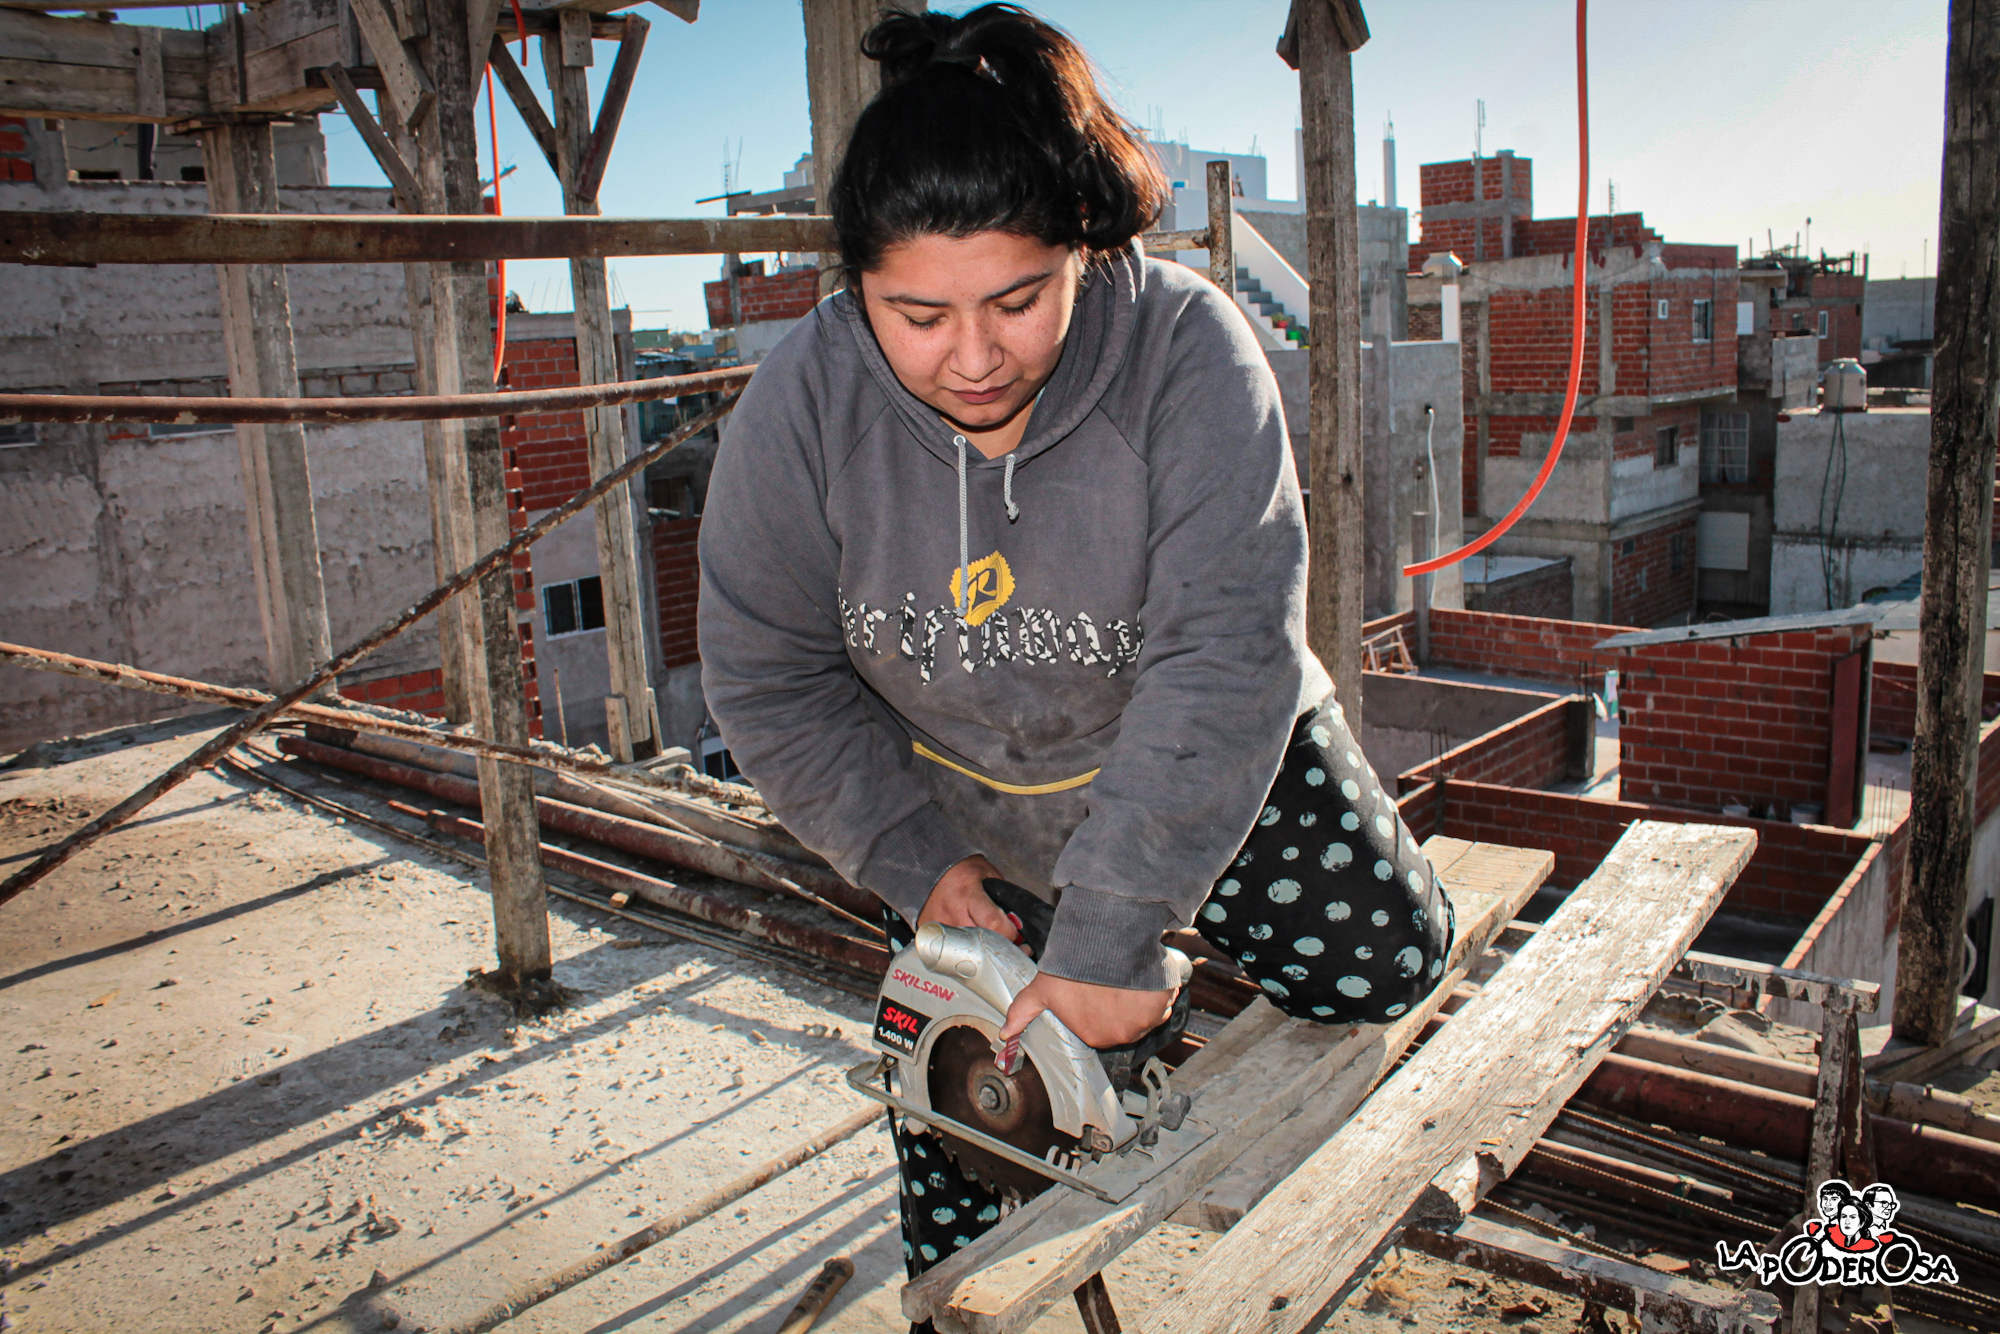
1021	1113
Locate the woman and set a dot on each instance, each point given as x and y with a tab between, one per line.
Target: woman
1003	575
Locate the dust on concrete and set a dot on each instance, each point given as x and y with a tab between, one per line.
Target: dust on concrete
252	1091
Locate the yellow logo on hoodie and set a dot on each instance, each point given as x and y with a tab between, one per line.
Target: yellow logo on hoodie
991	584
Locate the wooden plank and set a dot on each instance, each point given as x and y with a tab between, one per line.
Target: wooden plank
522	94
573	28
1484	872
409	195
1958	534
1663	1301
280	78
1795	984
1917	1065
611	111
1466	1109
408	82
150	77
241	169
1264	1067
1333	596
626	642
118	238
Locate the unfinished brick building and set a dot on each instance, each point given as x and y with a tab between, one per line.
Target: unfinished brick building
1659	353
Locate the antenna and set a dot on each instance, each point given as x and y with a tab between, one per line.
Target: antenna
1479	130
1610	195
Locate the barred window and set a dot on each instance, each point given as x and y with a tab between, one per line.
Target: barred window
573	607
1704	321
1725	446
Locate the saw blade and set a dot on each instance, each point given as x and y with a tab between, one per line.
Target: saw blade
968	1087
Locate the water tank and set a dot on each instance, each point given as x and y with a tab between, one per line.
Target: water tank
1844	386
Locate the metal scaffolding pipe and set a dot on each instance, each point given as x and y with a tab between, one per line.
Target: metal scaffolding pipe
188	410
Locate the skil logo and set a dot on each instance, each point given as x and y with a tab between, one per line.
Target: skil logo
923	984
897	1029
1851	1242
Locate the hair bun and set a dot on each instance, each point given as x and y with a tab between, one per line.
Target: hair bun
905	44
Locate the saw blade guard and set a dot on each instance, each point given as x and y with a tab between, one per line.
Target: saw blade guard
987	971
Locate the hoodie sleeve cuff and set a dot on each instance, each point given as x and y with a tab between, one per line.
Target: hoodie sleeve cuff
909	858
1109	940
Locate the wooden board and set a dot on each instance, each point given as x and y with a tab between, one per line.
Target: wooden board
1260	1068
80	69
1462	1114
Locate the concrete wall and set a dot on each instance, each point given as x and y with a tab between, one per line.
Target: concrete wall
135	549
1898	310
1399	381
1411	720
1877	537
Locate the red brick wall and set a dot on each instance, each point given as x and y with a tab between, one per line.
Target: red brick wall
15	164
1893	701
1531	751
677	579
1794	871
1427	326
1529	648
1453	183
549	447
1708	722
419	692
775	296
1646	589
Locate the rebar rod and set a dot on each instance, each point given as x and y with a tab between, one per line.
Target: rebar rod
220	410
540	1290
222	742
355	720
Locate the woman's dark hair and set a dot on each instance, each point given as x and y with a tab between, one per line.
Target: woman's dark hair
991	121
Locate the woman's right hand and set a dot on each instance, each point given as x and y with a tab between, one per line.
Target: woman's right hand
959	899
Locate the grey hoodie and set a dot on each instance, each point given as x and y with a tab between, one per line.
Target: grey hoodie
1101	707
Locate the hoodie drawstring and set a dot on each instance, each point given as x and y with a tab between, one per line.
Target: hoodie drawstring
964	540
964	534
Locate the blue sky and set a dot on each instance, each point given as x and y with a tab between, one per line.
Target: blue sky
1718	119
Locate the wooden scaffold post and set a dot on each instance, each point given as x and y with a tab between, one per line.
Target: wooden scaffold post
1319	41
241	168
840	81
477	517
1958	526
582	151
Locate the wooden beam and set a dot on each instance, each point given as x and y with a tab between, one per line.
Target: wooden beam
839	83
522	94
241	168
1260	1069
118	238
408	82
81	69
573	39
1958	536
1663	1301
1221	228
409	195
1334	462
627	644
590	175
477	518
1462	1113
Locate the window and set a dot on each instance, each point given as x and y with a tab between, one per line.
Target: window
1620	425
1666	446
1823	322
1725	446
572	608
1630	548
673	498
1704	321
17	433
158	430
1677	553
1666	309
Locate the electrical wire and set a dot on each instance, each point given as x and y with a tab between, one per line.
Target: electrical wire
1580	259
1430	456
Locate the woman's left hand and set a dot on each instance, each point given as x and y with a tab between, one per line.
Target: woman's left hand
1101	1016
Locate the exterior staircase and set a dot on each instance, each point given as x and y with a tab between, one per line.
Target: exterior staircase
1269	310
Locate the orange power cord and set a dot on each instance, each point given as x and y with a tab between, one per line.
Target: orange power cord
1581	260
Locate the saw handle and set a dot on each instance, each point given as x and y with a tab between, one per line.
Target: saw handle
1034	917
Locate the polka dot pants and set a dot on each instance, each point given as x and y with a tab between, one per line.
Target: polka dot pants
1330	907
